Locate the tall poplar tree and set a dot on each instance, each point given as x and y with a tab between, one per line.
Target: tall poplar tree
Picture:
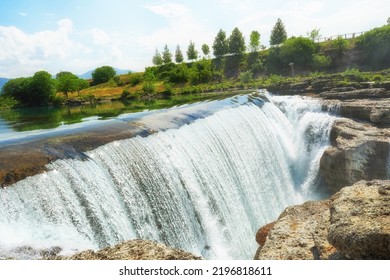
220	45
166	55
254	41
157	59
278	33
192	53
178	55
236	42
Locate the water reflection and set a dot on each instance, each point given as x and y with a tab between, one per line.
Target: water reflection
52	117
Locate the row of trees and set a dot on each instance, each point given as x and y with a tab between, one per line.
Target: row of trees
222	45
41	88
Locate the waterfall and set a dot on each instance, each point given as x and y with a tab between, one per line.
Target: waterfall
205	187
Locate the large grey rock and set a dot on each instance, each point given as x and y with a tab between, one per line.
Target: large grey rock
376	111
360	220
300	233
358	152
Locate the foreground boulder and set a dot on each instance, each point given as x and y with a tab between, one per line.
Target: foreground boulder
300	233
360	220
359	152
134	250
353	224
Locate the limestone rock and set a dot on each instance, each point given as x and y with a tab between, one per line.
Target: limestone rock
134	250
356	94
359	152
360	220
300	233
376	111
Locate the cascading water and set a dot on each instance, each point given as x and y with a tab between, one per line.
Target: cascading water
205	187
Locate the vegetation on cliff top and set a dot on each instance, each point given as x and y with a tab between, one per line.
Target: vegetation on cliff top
288	60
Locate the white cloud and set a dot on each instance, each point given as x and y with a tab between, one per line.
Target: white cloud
23	14
182	26
62	49
99	37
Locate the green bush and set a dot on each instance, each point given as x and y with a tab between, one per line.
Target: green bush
246	77
321	61
135	79
375	47
297	50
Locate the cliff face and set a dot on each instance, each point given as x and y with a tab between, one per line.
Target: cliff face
359	151
353	224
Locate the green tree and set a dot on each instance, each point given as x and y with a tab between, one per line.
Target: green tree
254	41
18	89
375	47
178	55
278	33
205	49
66	82
236	42
340	45
192	53
42	88
314	34
103	74
201	71
157	59
297	50
34	91
81	84
166	55
220	45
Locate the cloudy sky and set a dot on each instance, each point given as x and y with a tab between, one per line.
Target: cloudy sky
80	35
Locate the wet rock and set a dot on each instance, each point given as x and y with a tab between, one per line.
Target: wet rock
358	152
134	250
360	220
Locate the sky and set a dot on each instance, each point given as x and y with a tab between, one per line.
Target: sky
81	35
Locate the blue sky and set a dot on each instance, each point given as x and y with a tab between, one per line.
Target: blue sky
81	35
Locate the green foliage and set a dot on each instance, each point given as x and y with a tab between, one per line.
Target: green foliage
375	46
166	55
278	33
354	75
246	77
236	42
201	72
276	79
220	45
320	61
340	45
135	79
157	59
102	74
254	42
297	50
149	88
180	74
178	55
314	34
34	91
67	82
273	61
192	53
205	49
